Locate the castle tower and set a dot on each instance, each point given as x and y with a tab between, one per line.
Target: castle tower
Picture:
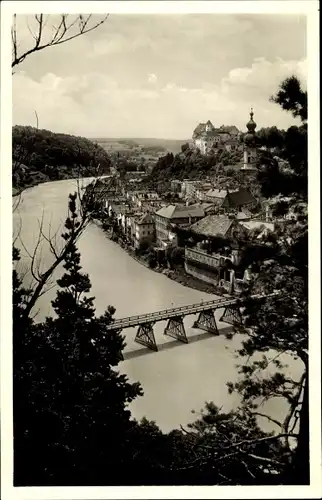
209	126
250	150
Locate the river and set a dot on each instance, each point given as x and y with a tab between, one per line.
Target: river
180	377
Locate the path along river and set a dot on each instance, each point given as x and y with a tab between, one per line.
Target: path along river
180	377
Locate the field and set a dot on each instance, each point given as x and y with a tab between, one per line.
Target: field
170	145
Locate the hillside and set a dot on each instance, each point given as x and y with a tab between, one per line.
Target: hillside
41	156
190	164
222	170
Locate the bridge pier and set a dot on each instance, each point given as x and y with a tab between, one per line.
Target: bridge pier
206	321
232	316
175	328
145	336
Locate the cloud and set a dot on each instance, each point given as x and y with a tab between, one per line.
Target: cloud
263	75
152	78
96	105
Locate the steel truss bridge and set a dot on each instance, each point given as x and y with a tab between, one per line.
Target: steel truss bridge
175	327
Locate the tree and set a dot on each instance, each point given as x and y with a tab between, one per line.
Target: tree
62	30
280	326
185	147
222	448
292	146
291	97
56	156
70	405
271	137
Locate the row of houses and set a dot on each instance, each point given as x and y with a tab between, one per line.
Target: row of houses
147	219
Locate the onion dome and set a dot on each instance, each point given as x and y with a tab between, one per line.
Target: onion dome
251	126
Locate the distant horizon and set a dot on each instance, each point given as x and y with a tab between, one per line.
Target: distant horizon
140	138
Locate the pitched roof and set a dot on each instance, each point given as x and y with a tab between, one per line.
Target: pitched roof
179	212
245	214
257	224
199	129
238	198
213	225
146	219
218	193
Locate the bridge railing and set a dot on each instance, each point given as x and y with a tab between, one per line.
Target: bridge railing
173	312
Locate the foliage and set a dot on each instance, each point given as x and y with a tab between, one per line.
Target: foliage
271	137
290	146
278	328
70	405
291	97
55	156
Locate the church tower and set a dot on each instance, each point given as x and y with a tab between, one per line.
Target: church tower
250	150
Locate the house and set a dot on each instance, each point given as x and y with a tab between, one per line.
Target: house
217	266
118	212
201	190
208	208
213	226
245	215
217	196
238	200
176	186
144	229
188	188
261	228
232	130
171	215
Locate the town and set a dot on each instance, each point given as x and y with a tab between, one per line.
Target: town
197	232
159	250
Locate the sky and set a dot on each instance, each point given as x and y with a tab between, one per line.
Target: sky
160	75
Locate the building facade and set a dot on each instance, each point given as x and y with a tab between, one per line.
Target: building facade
206	137
144	230
171	215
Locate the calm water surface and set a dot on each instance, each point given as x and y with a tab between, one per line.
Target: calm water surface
177	379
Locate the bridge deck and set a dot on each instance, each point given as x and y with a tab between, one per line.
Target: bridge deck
141	319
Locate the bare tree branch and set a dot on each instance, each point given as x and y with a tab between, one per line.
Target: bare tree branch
61	34
268	418
44	277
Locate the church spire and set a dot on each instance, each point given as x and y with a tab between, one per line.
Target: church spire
251	125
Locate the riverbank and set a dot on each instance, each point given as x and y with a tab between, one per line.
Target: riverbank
178	274
17	190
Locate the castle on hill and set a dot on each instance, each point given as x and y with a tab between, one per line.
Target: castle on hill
207	138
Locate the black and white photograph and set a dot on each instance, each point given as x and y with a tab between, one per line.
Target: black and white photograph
158	247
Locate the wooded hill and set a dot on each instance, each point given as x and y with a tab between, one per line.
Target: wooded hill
41	155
